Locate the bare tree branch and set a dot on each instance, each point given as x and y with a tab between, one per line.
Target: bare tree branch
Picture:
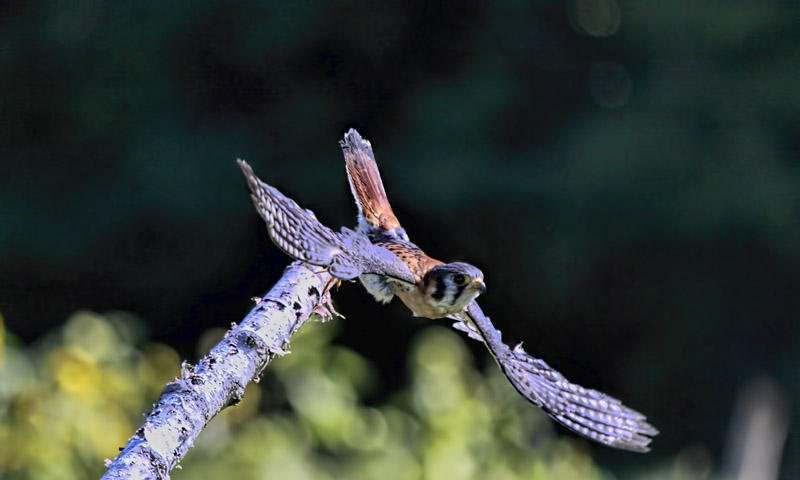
219	379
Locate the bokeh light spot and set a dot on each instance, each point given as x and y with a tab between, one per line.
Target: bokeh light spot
598	18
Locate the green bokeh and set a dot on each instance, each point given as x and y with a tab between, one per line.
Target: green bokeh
69	402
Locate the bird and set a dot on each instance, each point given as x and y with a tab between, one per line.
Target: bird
381	256
441	289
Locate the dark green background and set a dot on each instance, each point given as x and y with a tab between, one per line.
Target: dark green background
632	194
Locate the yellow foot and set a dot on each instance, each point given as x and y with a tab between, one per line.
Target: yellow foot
330	281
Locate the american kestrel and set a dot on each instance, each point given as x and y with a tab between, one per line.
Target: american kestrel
387	263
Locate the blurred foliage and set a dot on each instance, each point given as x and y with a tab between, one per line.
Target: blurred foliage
68	402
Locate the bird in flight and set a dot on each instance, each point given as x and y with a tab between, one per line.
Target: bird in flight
380	254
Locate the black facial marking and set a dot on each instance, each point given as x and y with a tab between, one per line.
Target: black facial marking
440	287
459	291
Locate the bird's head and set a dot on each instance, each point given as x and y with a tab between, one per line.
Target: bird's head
452	286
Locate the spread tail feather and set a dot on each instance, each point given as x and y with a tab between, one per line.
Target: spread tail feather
365	182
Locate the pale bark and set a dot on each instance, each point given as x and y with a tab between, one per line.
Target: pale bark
219	379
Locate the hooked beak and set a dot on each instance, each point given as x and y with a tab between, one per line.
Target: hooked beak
478	285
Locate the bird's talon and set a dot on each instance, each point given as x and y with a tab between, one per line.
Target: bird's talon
330	282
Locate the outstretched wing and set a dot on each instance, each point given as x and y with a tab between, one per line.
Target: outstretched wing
587	412
298	233
365	182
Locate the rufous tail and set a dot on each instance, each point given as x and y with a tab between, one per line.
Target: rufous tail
365	182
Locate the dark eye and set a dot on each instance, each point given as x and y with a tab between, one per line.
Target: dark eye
459	279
